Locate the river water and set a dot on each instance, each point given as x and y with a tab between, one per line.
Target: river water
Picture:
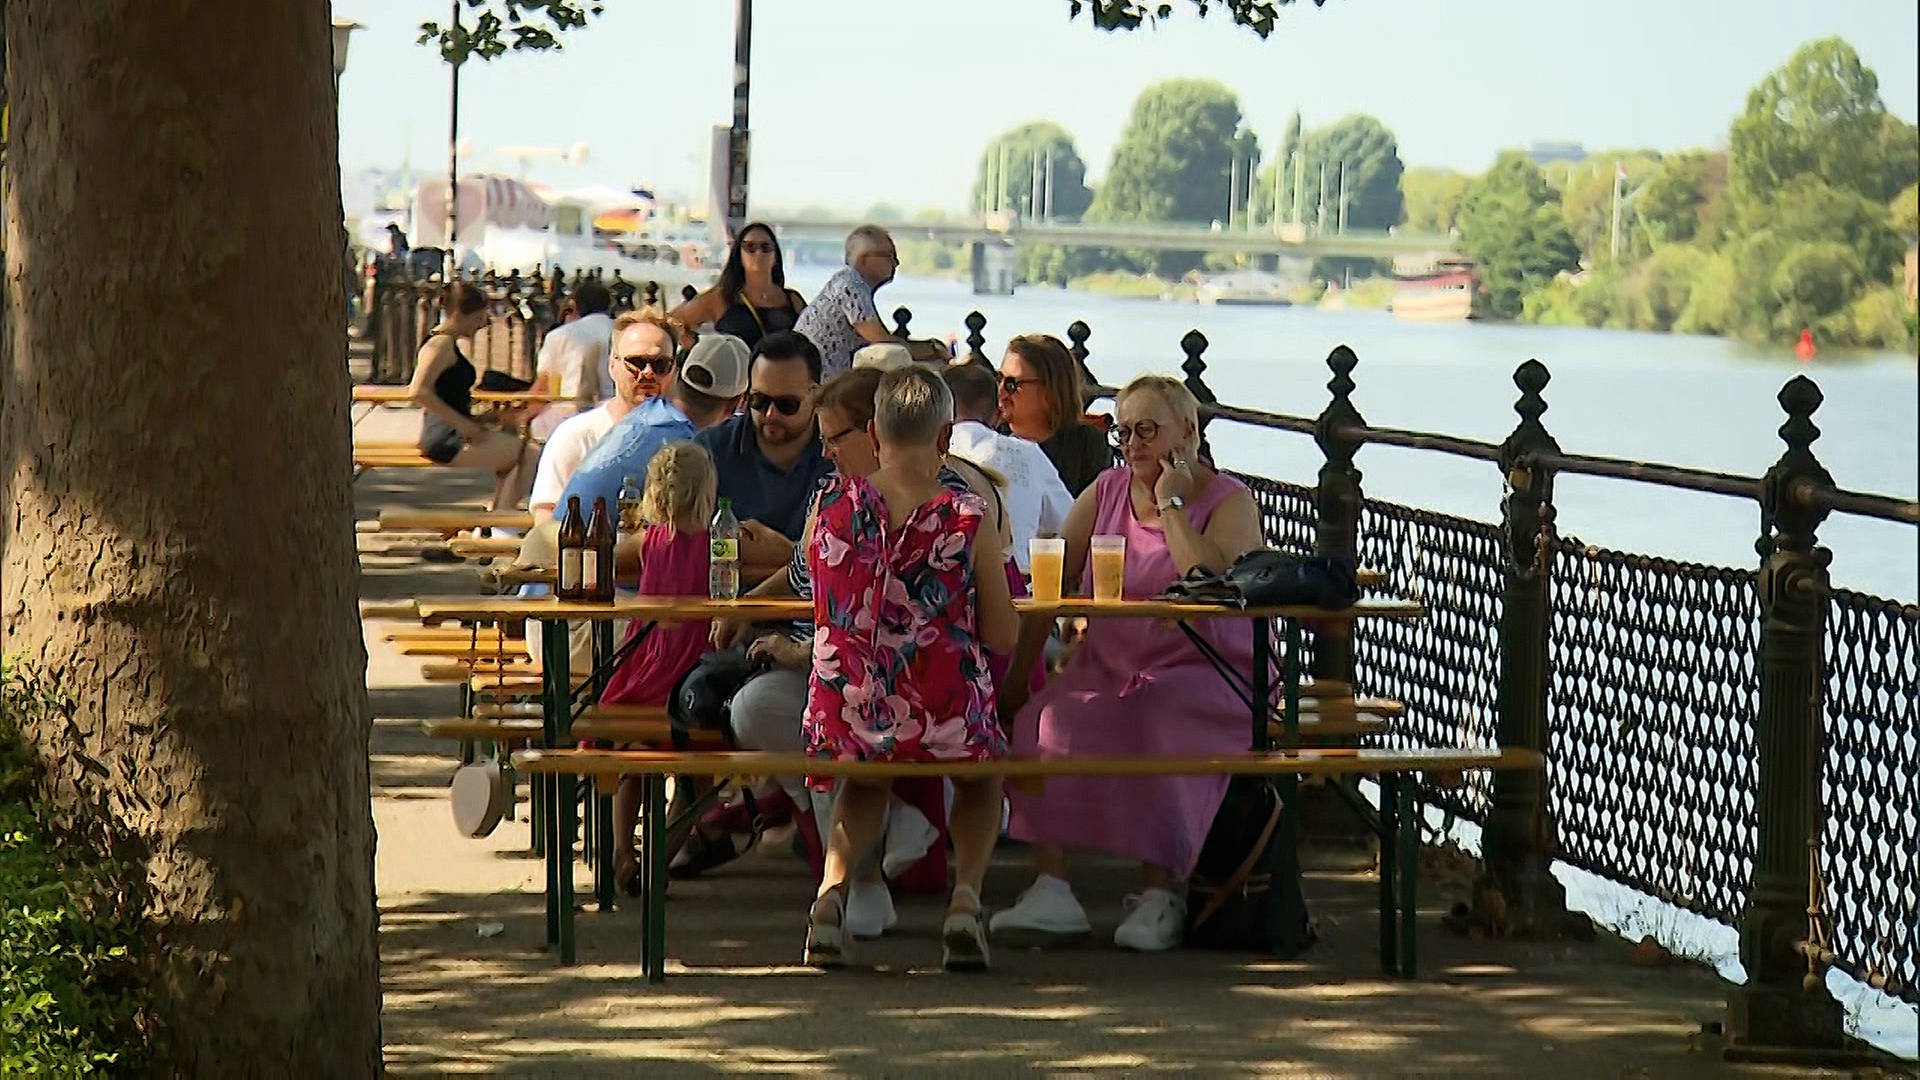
1674	399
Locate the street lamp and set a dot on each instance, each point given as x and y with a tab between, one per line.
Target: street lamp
342	33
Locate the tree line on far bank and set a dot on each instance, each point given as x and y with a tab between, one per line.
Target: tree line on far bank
1801	222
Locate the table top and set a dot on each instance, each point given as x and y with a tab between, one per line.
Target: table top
400	395
683	609
1312	762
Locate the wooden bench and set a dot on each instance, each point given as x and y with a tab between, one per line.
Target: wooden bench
1397	824
441	519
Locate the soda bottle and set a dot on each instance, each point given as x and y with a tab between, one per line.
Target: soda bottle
573	543
630	524
596	575
723	554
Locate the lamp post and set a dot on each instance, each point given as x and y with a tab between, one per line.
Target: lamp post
342	35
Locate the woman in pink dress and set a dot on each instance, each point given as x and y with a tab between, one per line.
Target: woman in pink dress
676	505
1137	686
909	590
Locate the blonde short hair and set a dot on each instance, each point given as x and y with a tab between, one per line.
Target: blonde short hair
681	337
680	487
1171	392
911	406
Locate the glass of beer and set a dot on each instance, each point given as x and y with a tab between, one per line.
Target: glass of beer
1109	568
1046	558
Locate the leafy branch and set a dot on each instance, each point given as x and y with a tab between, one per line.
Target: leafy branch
507	25
502	26
1256	15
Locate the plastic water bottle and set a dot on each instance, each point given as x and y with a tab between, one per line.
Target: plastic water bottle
630	524
723	554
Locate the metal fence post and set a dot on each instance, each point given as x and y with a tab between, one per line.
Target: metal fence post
1194	344
901	317
1077	334
1785	1002
1517	892
1337	502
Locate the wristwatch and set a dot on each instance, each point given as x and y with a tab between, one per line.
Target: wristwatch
1171	502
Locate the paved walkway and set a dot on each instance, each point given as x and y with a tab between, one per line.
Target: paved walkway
470	988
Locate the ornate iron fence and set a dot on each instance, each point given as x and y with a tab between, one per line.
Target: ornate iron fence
1742	745
405	305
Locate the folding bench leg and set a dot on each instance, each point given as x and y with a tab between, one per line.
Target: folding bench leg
653	869
1389	872
1409	875
603	846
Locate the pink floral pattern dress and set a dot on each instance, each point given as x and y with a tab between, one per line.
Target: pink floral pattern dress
898	670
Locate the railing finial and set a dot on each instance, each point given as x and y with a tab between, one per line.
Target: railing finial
901	317
1077	334
976	338
1194	344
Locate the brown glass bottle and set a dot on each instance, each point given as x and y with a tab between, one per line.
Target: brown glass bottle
573	545
596	578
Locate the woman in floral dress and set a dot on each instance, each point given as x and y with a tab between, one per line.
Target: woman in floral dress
909	592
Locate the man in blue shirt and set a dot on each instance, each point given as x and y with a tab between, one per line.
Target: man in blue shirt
697	390
769	457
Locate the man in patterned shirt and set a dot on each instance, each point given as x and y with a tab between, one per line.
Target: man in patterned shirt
843	317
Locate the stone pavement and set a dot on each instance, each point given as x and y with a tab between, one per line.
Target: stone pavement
470	988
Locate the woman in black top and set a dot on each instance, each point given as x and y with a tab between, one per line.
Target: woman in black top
1041	401
442	387
751	299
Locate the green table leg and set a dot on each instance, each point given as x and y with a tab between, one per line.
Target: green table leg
600	840
555	701
1389	872
653	818
1292	941
1408	846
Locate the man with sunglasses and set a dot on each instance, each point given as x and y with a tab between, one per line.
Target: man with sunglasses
842	318
634	382
681	394
768	457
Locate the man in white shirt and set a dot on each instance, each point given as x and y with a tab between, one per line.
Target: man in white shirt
645	337
1037	500
573	361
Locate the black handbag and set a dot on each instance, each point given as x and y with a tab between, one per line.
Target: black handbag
703	698
1265	577
499	382
1233	898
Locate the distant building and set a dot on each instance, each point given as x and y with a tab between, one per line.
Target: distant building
1545	153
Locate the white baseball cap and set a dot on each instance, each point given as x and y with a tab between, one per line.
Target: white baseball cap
717	365
884	356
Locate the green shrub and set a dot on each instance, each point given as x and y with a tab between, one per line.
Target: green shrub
69	1005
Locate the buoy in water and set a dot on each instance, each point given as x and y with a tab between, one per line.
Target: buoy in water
1804	348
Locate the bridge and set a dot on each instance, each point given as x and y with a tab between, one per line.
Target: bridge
1288	239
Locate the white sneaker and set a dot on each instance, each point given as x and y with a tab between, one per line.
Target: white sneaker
1156	922
909	837
1046	914
869	909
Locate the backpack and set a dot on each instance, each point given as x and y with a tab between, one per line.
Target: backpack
703	698
1264	577
1233	899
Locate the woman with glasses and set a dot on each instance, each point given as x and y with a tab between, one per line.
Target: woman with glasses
1041	401
751	299
1136	687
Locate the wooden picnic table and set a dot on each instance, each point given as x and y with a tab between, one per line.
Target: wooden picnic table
401	395
555	794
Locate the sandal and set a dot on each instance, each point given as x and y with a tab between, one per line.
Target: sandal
827	942
963	937
626	877
702	853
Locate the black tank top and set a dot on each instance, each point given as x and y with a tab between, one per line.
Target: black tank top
750	322
455	384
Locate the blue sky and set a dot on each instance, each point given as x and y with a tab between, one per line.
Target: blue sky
863	101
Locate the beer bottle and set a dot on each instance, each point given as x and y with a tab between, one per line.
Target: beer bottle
573	543
597	576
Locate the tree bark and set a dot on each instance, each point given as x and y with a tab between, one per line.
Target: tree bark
178	555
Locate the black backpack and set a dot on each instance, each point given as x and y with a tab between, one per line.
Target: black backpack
1233	899
703	698
1264	576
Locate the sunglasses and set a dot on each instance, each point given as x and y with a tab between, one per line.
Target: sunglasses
658	365
788	404
1146	431
757	247
1010	384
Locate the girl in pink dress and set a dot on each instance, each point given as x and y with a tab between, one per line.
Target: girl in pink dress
908	591
676	506
1137	686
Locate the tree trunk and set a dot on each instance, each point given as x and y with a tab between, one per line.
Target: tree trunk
179	553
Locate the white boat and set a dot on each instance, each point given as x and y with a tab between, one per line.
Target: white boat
1252	287
506	225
